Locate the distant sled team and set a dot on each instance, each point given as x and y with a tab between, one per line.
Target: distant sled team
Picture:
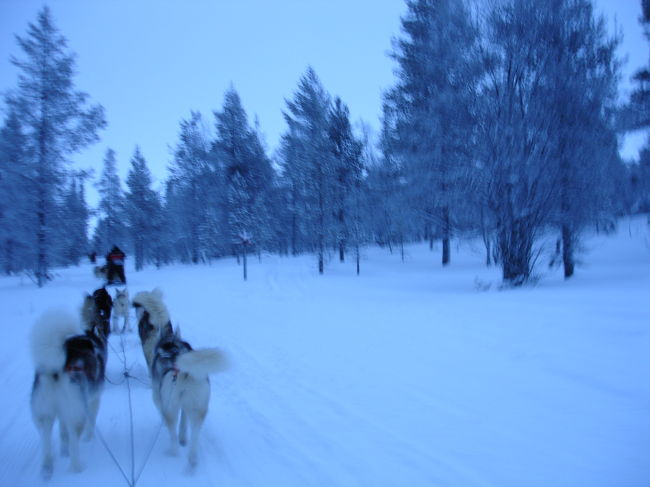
113	271
70	363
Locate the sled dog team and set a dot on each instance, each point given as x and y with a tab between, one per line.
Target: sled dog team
70	371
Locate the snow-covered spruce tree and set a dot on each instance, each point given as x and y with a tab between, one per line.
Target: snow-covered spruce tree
359	211
240	153
291	183
581	79
638	176
111	225
71	242
264	179
229	156
393	218
240	219
346	161
637	113
432	104
17	199
280	228
143	212
189	190
310	167
55	119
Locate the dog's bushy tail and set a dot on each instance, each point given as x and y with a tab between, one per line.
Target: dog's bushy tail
202	362
48	337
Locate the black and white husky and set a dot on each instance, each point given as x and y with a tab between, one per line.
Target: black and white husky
179	374
104	307
70	366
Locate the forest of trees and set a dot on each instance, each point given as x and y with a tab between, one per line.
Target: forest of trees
502	125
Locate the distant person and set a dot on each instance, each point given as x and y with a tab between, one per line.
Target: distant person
115	266
93	257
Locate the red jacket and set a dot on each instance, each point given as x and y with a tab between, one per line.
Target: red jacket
116	258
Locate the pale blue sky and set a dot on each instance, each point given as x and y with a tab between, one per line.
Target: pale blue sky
149	62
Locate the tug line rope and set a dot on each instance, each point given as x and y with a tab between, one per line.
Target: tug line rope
131	482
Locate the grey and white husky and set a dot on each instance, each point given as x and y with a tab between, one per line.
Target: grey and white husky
179	374
121	310
70	366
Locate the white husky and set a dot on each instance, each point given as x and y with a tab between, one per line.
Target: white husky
68	380
179	374
121	310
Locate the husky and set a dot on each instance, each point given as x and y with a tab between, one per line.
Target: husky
121	309
104	307
101	272
69	377
179	374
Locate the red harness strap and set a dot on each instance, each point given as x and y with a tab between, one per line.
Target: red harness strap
73	368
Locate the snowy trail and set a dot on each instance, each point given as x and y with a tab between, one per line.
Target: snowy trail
406	375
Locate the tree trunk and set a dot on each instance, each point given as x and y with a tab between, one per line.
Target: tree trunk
446	233
358	258
516	244
41	263
245	265
139	254
321	221
488	252
487	240
294	222
294	234
341	219
567	251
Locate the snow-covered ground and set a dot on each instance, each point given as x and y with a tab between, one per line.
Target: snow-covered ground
408	375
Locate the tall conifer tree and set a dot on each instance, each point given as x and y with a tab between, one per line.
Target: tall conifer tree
143	211
56	121
432	106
